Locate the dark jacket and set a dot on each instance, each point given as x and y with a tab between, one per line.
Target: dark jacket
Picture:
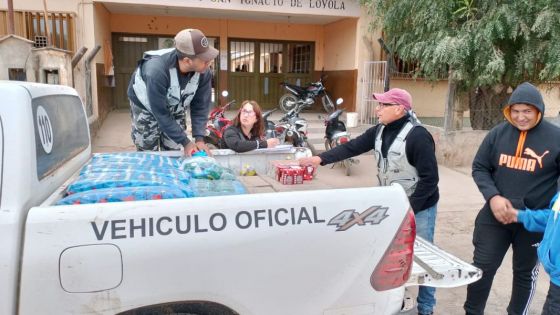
522	166
233	138
420	153
155	73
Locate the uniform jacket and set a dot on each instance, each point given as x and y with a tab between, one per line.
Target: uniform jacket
155	72
420	153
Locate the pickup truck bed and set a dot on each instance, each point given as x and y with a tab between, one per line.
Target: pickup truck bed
316	251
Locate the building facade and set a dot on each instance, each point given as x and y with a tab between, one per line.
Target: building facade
261	42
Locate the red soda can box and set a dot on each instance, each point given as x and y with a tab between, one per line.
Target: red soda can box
288	176
308	172
298	174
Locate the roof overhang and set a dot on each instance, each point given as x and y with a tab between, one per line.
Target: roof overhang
277	11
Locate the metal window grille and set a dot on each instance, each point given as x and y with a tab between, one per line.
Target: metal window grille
242	56
61	27
271	58
299	58
373	81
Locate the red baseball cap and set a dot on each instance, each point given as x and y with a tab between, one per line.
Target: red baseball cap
395	96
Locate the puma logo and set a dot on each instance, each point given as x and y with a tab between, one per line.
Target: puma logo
521	163
532	154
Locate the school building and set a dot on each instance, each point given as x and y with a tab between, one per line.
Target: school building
261	42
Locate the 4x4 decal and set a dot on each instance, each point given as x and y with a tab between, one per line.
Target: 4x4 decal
348	218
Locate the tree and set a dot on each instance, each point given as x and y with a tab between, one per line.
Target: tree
490	46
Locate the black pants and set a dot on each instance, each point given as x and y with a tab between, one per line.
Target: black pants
552	303
491	240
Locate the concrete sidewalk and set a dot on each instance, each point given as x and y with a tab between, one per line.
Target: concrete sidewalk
457	210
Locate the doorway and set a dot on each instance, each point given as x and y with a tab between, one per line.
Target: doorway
128	50
256	69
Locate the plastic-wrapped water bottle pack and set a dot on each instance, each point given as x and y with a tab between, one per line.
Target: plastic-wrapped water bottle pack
146	176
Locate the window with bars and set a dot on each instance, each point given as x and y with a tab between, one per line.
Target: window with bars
299	57
17	74
271	58
61	27
242	56
31	25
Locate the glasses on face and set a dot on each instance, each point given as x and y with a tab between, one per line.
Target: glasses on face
383	105
247	112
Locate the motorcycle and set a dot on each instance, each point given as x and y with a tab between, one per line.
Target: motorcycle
305	95
293	129
336	134
217	123
269	126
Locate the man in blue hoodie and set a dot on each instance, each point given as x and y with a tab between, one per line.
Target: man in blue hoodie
547	221
516	166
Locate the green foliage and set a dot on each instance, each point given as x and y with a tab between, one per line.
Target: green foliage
484	42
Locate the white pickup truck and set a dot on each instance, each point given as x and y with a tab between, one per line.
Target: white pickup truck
300	252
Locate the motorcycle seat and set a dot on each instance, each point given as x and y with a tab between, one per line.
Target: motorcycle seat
298	88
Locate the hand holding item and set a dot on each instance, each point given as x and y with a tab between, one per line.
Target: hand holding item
201	146
314	160
189	149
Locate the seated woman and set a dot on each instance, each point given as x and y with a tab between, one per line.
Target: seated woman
247	130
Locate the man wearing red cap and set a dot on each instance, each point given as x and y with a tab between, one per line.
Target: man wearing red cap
165	84
405	153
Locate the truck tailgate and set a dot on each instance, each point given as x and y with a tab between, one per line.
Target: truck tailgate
307	252
436	268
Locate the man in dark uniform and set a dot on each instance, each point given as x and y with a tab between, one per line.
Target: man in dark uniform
166	83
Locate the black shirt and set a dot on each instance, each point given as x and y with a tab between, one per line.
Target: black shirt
420	153
234	138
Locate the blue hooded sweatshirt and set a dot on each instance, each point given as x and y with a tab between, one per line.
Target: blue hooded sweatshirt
547	221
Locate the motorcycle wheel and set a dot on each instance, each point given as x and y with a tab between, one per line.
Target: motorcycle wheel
327	145
347	163
328	103
287	102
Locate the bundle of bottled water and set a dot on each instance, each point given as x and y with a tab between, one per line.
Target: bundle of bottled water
114	177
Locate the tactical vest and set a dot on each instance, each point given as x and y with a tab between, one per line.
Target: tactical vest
395	167
174	93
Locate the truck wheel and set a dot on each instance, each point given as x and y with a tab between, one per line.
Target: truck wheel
186	308
287	102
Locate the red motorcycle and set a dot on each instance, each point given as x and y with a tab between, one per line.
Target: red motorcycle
217	123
